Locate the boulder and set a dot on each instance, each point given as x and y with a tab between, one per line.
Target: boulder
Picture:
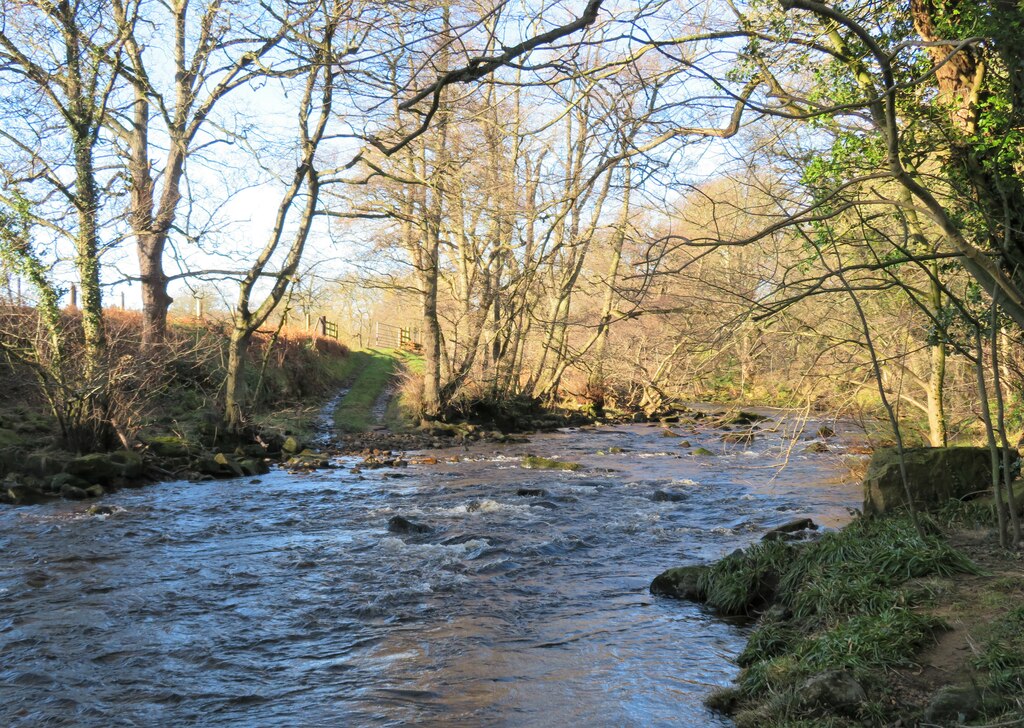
168	446
103	467
98	510
229	465
45	463
953	704
61	479
23	495
681	582
703	452
72	492
401	524
833	692
934	475
531	492
95	491
292	446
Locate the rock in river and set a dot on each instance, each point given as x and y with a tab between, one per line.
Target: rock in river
401	524
681	582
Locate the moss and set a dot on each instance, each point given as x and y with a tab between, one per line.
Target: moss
541	463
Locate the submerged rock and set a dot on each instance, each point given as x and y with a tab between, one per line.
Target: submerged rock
739	438
703	452
668	496
401	524
531	492
817	448
680	582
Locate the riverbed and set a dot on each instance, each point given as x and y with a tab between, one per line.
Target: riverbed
285	601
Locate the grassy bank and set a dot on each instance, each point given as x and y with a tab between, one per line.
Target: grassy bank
874	624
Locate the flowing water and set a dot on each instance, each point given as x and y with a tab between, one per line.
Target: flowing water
285	601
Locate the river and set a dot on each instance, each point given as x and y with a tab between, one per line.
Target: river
285	600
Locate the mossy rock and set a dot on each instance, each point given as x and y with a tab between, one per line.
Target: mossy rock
57	482
107	468
292	445
72	492
540	463
24	495
95	491
817	448
681	582
935	475
229	466
168	446
703	452
46	463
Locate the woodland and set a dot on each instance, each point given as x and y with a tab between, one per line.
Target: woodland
615	205
569	208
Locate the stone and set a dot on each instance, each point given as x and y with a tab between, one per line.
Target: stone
531	492
680	582
61	479
229	464
825	432
292	445
168	446
45	463
95	491
105	468
72	492
703	452
953	704
817	448
934	475
401	524
253	466
738	438
836	691
98	510
790	531
668	496
23	495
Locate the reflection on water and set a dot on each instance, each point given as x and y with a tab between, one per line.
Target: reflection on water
284	601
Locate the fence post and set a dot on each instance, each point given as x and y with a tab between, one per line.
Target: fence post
74	294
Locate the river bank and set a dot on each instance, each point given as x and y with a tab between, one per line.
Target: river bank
872	625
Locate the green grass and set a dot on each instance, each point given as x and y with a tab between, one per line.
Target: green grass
840	603
373	371
1002	658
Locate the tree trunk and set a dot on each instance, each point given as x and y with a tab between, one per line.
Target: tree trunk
235	389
